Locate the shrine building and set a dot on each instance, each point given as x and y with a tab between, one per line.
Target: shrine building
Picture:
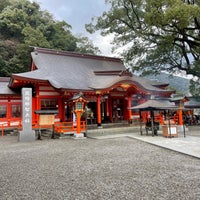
56	76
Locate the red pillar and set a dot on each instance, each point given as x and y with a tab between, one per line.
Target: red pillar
110	109
78	122
99	110
129	106
9	111
34	119
61	108
180	117
161	119
107	108
37	103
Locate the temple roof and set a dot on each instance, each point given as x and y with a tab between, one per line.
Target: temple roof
193	102
66	70
4	89
156	104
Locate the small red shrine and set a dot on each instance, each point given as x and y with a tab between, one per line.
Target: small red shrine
56	76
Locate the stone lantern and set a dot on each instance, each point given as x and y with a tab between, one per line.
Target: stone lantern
79	104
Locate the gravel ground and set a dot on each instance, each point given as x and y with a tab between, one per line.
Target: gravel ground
91	169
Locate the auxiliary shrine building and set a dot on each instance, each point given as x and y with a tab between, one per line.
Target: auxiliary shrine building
56	76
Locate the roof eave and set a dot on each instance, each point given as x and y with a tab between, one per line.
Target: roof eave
15	79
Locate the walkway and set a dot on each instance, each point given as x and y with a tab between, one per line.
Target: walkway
189	145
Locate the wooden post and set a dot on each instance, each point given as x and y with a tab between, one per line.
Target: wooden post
180	117
107	108
152	122
110	109
99	110
78	122
170	133
129	110
140	112
61	108
9	110
37	105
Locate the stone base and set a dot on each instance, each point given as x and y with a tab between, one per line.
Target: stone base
26	136
79	136
181	128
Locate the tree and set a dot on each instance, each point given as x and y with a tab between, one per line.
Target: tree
18	30
195	87
156	35
3	4
84	45
24	24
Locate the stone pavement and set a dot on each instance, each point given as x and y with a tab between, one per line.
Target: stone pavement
189	145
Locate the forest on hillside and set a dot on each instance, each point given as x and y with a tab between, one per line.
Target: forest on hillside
23	25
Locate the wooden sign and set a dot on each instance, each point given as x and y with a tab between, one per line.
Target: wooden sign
46	119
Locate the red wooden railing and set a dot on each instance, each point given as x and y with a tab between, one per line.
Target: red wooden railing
11	125
58	127
62	127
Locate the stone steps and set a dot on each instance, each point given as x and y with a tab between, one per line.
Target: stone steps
107	131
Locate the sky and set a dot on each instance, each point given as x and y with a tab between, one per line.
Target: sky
77	13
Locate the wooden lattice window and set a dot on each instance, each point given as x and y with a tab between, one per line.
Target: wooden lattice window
3	111
49	104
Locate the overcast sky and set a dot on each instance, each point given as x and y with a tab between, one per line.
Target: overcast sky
77	13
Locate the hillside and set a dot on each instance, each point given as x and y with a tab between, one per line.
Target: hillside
181	85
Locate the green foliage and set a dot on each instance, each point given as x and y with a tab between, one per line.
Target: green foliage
24	24
4	4
60	36
30	37
84	45
195	87
155	35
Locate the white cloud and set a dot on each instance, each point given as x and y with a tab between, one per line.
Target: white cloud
77	13
104	43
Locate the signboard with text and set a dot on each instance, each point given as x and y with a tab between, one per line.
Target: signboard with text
27	133
27	107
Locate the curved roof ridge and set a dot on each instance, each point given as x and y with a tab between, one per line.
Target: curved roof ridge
75	54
